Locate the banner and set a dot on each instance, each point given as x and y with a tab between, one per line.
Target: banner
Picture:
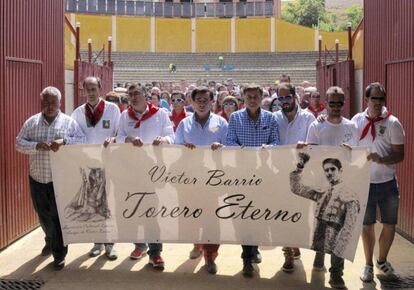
311	198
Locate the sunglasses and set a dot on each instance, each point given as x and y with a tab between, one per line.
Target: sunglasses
229	105
285	98
177	100
381	99
149	98
336	104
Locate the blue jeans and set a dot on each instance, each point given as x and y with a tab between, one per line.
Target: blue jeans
155	249
386	196
43	198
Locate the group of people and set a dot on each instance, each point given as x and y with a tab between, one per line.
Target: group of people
222	115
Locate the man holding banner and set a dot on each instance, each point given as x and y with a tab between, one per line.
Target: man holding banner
41	133
252	127
98	119
293	124
203	128
384	134
142	124
334	131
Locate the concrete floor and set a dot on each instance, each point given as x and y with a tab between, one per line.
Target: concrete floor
21	260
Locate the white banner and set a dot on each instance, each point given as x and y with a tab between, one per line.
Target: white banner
312	198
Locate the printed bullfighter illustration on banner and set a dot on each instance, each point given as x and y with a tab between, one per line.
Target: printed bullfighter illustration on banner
310	198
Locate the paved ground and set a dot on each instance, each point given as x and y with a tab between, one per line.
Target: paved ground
22	261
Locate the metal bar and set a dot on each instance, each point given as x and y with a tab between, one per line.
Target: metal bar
25	60
72	30
78	56
336	50
109	50
90	50
349	41
357	29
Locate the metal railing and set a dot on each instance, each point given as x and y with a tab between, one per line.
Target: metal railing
169	9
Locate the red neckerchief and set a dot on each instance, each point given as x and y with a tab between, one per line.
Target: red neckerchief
317	111
371	124
176	118
152	110
93	117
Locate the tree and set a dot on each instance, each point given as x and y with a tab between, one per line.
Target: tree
312	12
304	12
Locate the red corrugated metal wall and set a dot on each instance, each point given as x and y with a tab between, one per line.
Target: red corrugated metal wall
388	48
339	74
31	57
400	88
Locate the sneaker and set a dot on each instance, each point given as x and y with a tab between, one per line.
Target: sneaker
59	264
96	250
46	251
195	253
110	252
337	282
296	254
138	253
248	269
211	266
157	262
386	271
319	262
367	274
289	264
257	258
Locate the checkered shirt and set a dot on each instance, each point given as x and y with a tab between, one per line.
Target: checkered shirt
243	131
36	129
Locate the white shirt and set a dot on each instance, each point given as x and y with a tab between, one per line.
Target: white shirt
388	131
158	125
296	130
106	127
326	133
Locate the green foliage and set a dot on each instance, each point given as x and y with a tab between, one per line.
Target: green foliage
308	12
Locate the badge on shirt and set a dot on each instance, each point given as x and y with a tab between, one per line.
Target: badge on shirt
106	124
382	130
214	129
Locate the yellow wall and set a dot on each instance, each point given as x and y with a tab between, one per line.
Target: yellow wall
358	50
133	34
173	35
69	49
98	28
213	35
328	39
252	35
292	37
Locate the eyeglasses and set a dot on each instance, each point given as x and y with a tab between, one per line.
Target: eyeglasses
177	100
149	98
336	104
380	99
285	98
232	105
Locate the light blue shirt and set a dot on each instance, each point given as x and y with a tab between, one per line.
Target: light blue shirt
190	131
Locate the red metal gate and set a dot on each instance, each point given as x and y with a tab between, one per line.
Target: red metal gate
400	88
31	57
339	74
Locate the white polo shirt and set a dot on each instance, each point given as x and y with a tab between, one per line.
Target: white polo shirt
296	130
157	125
326	133
106	127
388	131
